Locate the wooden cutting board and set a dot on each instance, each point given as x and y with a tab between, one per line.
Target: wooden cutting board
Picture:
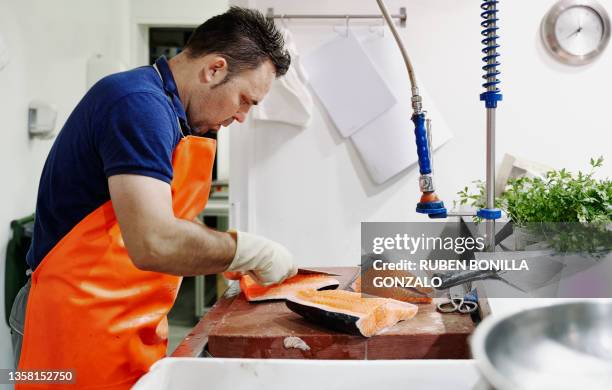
258	330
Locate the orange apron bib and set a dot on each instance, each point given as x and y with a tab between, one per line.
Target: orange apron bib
90	309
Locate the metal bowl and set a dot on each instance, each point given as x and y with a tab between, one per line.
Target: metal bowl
564	346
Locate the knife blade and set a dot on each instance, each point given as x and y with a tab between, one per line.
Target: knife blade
313	271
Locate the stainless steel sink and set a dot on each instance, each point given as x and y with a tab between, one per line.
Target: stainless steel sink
564	346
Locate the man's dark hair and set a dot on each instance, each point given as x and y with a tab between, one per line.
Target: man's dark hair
244	37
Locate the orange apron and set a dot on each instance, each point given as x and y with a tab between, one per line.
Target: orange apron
90	309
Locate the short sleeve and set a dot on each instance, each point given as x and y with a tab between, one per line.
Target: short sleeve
139	137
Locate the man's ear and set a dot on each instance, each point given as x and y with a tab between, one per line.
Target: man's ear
214	71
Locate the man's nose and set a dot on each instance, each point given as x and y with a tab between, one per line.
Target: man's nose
240	116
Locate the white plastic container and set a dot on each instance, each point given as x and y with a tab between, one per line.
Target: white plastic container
283	374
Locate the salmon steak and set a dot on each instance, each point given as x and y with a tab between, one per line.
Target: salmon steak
349	312
255	292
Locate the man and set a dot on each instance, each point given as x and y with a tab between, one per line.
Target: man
120	189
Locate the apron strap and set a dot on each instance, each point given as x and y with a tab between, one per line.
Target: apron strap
170	100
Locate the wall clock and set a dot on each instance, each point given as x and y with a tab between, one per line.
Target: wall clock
575	32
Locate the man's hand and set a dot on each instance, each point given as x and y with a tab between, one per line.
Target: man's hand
268	262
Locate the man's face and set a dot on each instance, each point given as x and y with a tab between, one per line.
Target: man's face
215	103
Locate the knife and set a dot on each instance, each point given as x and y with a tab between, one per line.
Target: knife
313	271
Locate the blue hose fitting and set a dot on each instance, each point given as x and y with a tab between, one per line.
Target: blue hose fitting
491	98
420	133
432	209
489	213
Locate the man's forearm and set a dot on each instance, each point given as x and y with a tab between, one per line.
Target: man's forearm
187	248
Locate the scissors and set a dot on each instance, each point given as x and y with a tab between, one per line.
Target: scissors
457	302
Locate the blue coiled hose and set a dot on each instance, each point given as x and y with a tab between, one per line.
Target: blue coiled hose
491	56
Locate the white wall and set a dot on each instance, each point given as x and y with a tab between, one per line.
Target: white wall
191	12
309	190
49	43
15	151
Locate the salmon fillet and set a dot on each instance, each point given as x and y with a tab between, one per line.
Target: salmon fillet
349	311
255	292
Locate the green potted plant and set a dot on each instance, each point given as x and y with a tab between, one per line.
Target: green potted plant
568	212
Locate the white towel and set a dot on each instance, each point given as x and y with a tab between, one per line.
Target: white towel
348	84
289	100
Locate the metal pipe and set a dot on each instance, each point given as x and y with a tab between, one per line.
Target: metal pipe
490	182
400	17
460	214
429	141
490	25
416	98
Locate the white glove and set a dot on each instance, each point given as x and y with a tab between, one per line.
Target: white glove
268	262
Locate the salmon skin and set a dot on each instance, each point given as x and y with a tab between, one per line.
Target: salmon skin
255	292
349	312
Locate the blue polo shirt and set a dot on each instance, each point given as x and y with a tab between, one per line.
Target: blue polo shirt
126	123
